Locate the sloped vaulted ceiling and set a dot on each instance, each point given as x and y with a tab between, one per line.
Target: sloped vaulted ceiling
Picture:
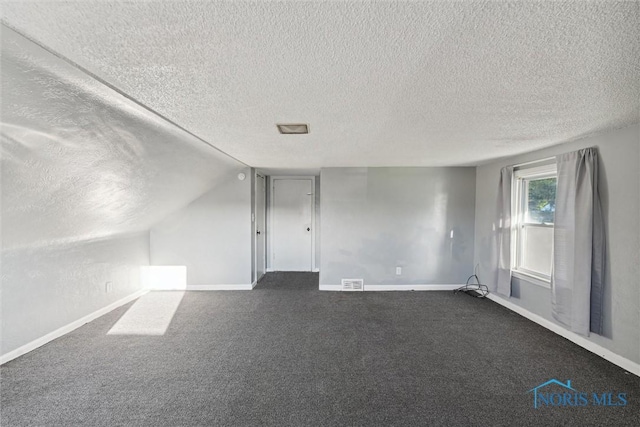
82	162
388	83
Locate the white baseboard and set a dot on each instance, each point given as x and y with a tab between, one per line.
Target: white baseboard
208	288
247	287
378	288
385	288
583	342
270	270
70	327
330	287
316	270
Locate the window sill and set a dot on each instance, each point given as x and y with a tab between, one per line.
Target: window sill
532	279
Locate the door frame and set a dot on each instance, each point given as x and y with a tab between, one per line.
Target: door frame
272	185
257	175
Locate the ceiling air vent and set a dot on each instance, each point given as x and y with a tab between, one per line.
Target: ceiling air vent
353	284
293	128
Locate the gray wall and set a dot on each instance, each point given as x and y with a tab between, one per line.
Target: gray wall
374	219
620	192
46	288
211	236
85	174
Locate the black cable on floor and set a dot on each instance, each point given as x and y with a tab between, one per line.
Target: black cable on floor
476	290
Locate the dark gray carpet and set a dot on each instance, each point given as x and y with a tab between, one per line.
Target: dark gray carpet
287	354
289	281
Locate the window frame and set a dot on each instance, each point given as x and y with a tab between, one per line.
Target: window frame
519	209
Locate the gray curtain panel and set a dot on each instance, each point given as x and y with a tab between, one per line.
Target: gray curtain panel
504	232
578	244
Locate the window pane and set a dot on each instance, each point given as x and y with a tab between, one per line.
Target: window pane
541	200
537	243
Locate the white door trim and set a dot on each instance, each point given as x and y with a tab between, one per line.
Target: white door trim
257	175
313	216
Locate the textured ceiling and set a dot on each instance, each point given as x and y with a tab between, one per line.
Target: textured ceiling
80	162
380	83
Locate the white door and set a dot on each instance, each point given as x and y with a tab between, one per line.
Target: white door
261	200
292	233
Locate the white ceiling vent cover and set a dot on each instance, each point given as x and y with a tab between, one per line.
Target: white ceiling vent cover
353	284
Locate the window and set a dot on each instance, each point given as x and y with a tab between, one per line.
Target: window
534	210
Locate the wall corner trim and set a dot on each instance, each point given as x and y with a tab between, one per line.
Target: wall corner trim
605	353
39	342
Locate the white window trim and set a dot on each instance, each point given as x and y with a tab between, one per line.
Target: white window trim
536	172
532	278
533	170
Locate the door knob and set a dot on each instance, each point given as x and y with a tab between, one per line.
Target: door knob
308	229
258	232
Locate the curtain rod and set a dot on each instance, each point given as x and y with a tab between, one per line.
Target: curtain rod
547	159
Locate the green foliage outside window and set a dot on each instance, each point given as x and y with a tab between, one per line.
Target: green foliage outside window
542	200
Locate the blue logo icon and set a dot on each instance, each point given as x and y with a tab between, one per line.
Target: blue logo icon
567	396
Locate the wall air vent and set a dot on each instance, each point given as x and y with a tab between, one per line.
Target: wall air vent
353	284
293	128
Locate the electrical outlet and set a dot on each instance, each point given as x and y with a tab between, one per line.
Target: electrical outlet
108	287
398	271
